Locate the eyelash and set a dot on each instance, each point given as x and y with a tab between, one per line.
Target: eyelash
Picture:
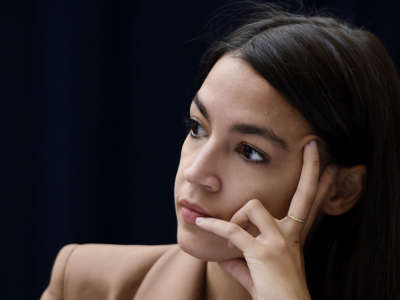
191	124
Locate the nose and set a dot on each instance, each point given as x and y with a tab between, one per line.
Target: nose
201	170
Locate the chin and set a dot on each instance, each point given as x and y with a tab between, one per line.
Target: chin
203	245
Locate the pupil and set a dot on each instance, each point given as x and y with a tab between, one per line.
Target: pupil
195	127
247	150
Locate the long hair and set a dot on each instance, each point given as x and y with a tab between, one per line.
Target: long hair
343	82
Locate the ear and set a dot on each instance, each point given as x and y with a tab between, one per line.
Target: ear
345	191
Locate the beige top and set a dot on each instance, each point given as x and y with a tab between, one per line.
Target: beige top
116	272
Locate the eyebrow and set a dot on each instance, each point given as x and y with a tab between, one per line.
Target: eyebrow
200	106
244	128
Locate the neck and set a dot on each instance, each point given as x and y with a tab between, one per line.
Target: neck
220	285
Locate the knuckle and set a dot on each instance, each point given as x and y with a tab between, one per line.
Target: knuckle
254	203
281	246
294	236
315	163
273	249
232	229
305	192
302	192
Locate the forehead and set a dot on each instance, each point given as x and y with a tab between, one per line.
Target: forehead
235	91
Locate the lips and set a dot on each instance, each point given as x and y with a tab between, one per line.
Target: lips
190	211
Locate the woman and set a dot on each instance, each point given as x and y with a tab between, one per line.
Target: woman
293	146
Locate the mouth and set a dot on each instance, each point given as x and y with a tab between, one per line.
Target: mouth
190	211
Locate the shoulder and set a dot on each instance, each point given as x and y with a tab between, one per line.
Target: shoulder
93	270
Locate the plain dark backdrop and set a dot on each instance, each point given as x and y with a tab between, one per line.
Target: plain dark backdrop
93	94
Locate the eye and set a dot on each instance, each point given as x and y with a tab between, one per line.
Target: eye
251	154
194	127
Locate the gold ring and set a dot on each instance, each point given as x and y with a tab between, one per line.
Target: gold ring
296	219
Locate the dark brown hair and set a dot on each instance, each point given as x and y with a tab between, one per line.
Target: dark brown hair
344	83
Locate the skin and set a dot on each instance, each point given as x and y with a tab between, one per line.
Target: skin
219	176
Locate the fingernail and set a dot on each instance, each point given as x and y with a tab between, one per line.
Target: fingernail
200	220
313	143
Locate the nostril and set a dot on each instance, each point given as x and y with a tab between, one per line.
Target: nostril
209	188
212	184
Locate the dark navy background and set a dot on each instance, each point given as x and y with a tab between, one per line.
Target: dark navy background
93	94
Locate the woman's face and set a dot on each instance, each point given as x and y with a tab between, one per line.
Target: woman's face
245	142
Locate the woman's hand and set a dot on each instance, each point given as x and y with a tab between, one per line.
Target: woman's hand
272	266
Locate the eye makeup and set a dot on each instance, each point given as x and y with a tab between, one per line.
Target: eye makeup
247	151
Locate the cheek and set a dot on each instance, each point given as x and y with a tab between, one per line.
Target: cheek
187	147
274	186
279	189
274	189
184	153
178	179
278	194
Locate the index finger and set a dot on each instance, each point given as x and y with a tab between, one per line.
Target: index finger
304	196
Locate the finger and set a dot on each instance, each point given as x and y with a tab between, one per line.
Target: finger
239	270
253	211
324	188
306	190
239	237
